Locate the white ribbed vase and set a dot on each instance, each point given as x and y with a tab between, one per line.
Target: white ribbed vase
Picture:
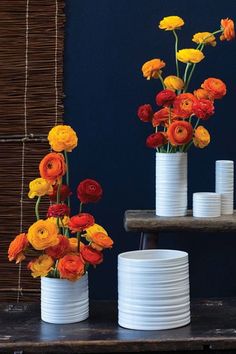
171	184
64	301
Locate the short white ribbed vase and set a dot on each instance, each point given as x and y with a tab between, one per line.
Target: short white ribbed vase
171	184
64	301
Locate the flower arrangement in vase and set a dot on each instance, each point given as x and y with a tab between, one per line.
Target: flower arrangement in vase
178	123
64	245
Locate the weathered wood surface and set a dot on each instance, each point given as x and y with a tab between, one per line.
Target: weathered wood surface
213	329
147	221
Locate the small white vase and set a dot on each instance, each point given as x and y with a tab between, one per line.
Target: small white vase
64	301
171	184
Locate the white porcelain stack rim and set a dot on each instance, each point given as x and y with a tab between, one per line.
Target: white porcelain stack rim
153	289
224	179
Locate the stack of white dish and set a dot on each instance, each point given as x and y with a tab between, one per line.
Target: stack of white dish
225	185
206	204
153	289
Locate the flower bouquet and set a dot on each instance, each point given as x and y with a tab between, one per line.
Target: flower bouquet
178	123
64	246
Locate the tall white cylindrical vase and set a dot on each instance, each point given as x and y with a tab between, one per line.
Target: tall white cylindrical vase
64	301
171	184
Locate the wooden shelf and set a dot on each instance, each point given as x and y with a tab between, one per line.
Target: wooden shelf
212	328
147	221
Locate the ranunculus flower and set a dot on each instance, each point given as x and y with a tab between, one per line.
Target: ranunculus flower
204	38
52	167
92	256
40	267
99	241
58	210
81	222
71	267
43	234
65	192
216	88
171	23
193	56
227	26
163	116
183	104
152	68
203	108
62	137
165	98
180	133
60	249
93	230
39	187
89	191
156	140
17	247
173	82
201	93
145	113
201	137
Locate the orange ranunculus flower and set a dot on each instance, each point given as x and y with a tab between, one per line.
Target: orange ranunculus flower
92	256
173	82
171	23
62	137
40	267
99	241
227	26
52	167
183	104
201	137
43	234
60	249
216	88
94	229
201	93
17	247
204	38
71	267
152	68
180	133
163	116
193	56
73	245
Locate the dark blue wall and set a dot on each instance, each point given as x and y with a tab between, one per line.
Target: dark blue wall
107	41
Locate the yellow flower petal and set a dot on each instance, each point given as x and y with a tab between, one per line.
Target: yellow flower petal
193	56
171	23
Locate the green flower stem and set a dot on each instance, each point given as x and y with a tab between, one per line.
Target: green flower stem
37	208
58	192
188	146
176	50
80	207
189	78
78	234
162	82
198	120
67	175
185	74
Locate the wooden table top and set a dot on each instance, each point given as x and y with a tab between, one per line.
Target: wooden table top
213	327
147	221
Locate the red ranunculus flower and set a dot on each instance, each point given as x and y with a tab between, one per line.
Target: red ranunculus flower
163	116
156	140
183	104
81	222
165	98
65	192
180	133
90	255
58	211
60	249
89	191
203	108
145	113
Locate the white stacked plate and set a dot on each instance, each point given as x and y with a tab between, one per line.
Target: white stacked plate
225	185
153	289
206	205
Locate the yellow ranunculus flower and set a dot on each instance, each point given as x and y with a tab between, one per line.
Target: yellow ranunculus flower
43	234
171	23
152	68
173	83
90	231
62	223
62	137
190	56
204	38
41	266
201	137
39	187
